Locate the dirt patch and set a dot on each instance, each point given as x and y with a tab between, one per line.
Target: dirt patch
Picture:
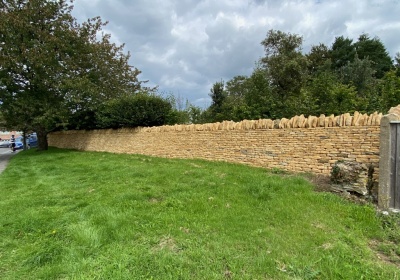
154	200
167	243
323	183
389	257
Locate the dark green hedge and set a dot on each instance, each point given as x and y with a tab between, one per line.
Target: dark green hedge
133	111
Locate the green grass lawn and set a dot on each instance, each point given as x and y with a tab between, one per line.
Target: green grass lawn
82	215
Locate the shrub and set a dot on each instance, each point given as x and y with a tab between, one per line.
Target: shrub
132	111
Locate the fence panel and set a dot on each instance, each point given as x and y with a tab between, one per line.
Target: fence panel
395	165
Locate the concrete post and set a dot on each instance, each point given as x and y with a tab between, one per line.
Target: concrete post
384	161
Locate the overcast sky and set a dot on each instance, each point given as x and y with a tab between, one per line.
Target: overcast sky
185	46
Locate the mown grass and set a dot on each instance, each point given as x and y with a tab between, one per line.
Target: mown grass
82	215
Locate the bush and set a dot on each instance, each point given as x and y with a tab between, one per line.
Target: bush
132	111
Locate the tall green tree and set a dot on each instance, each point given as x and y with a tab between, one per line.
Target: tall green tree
390	91
375	51
342	52
259	99
397	63
53	69
218	97
236	89
318	58
330	96
286	66
361	74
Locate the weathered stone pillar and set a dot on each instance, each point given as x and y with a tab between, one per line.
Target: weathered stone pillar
385	152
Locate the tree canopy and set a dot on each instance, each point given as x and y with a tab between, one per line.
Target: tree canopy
53	69
346	76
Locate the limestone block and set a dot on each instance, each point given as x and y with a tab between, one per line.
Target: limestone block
287	125
224	125
315	122
252	124
336	121
239	125
270	123
290	123
346	119
283	123
295	122
326	122
246	125
366	119
373	118
258	124
231	125
301	121
277	123
308	122
331	120
395	110
378	119
321	120
356	118
341	120
349	120
263	123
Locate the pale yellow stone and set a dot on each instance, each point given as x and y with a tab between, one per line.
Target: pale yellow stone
253	124
369	122
232	125
340	120
321	120
295	122
270	123
326	122
308	122
346	119
356	117
315	122
282	123
395	110
360	120
378	119
365	118
276	123
349	120
301	121
331	121
336	122
290	122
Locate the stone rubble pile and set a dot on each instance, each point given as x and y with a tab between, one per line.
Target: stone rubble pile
350	176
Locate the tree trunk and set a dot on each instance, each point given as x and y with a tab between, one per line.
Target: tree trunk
24	140
42	139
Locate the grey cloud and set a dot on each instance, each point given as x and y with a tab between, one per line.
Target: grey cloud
184	46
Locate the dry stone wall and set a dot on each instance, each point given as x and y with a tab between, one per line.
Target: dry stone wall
298	144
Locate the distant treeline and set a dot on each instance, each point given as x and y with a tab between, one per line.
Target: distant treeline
345	77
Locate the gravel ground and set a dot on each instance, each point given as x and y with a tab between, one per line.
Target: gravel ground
5	155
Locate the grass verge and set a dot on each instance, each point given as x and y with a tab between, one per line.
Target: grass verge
82	215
